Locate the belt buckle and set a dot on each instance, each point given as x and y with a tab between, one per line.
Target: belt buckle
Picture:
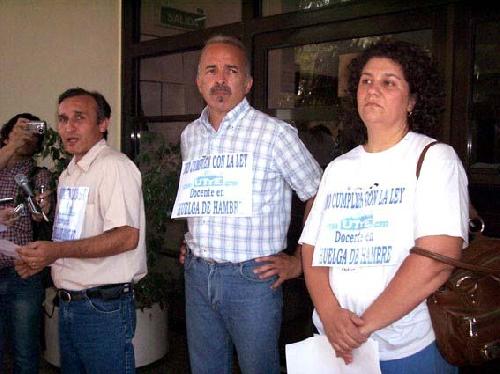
64	295
126	288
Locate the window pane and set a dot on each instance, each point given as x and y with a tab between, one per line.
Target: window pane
170	17
167	85
485	123
315	75
306	84
270	7
169	132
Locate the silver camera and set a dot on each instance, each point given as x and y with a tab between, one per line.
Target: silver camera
37	127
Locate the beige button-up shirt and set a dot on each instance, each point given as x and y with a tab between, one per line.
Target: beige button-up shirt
115	200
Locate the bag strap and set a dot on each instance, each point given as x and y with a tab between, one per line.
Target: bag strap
453	262
442	258
422	156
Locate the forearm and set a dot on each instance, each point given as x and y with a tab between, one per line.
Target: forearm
109	243
341	326
317	282
6	153
414	281
308	207
298	250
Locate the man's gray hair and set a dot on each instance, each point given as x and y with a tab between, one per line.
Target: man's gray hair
231	40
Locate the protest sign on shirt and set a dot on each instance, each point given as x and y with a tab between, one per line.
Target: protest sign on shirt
215	185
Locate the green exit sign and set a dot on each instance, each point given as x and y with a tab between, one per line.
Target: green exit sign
171	17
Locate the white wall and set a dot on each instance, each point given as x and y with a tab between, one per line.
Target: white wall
48	46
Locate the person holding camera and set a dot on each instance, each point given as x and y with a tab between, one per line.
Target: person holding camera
20	299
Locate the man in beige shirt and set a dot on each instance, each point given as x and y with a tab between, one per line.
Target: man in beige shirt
98	247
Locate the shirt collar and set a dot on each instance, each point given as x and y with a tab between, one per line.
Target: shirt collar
230	119
87	159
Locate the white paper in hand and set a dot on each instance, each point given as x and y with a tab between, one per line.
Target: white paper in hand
316	355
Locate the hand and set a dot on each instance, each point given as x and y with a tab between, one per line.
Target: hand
282	265
24	270
7	216
20	135
182	252
37	255
44	201
343	329
347	357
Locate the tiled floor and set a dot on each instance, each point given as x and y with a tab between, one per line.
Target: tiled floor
176	362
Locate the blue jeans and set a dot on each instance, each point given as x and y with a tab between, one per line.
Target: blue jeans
228	304
95	335
20	318
427	361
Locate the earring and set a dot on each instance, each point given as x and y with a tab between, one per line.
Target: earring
409	114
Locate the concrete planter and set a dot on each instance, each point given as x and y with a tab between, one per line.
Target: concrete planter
151	335
150	340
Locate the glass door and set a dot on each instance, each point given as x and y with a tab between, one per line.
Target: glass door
301	76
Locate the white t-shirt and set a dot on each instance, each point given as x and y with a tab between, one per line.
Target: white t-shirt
368	212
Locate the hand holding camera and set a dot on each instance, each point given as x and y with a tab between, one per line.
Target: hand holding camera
25	135
20	135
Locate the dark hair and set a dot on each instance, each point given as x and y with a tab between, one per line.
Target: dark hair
103	107
9	125
424	81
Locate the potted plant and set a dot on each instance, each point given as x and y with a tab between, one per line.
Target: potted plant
160	165
53	150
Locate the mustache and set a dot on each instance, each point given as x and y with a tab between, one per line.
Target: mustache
220	88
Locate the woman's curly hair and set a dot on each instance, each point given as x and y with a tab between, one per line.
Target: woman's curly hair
422	76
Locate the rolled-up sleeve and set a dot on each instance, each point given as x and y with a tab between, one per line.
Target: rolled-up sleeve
120	195
296	164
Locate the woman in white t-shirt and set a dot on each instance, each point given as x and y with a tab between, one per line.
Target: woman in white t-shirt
370	211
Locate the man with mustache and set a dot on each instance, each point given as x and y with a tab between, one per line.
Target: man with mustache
234	266
98	248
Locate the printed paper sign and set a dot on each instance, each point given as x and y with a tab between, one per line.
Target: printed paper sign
355	228
68	224
215	185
